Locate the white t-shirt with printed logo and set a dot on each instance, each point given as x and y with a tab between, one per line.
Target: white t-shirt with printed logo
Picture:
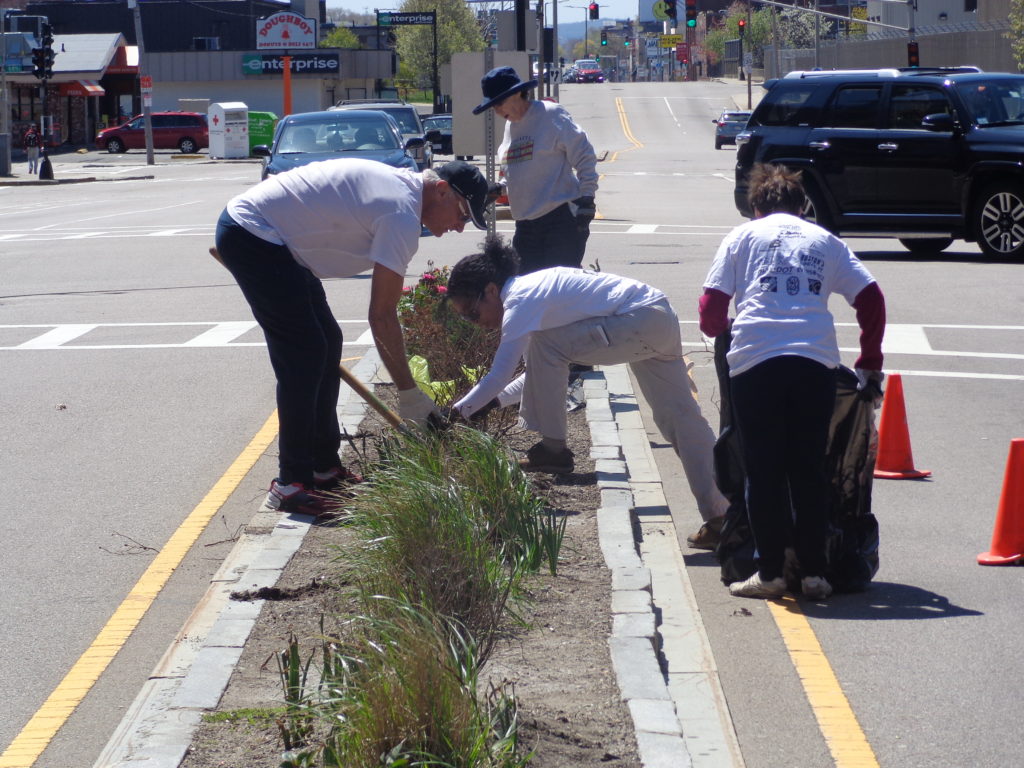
338	217
781	271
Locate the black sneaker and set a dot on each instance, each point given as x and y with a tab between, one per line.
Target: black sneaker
295	499
540	459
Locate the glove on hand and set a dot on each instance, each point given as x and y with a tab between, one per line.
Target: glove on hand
869	384
585	210
414	405
484	410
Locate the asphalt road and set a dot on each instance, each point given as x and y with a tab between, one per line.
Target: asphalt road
127	395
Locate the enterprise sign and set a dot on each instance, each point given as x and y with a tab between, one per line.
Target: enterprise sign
302	64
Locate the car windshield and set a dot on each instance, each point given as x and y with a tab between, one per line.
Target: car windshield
440	123
586	64
996	101
336	136
405	118
735	117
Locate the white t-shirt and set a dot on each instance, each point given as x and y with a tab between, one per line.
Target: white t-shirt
540	154
338	217
552	298
781	271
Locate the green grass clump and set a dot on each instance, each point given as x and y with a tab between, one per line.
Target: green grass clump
445	531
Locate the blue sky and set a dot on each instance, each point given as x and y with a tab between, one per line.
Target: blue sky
610	9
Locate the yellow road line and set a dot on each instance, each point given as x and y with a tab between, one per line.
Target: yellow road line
624	122
51	716
846	741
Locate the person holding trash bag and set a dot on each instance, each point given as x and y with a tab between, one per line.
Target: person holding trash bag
557	316
334	218
550	170
782	362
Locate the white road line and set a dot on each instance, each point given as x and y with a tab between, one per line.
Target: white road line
642	229
222	334
905	339
54	338
365	339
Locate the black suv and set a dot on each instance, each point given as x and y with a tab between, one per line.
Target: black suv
924	155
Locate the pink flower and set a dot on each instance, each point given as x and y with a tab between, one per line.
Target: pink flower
407	289
442	289
428	277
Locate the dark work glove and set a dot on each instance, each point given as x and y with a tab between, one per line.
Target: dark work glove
869	385
482	413
585	211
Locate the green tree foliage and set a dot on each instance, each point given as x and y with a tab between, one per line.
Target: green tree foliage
1016	33
795	29
340	37
457	32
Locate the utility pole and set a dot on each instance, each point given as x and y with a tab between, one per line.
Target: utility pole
147	99
5	118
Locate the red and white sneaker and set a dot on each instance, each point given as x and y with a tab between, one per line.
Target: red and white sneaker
295	499
335	479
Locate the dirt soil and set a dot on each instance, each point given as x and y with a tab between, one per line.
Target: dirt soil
569	707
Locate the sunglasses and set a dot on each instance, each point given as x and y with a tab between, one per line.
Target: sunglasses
464	211
472	314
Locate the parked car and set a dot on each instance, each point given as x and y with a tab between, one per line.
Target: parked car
588	71
925	155
186	131
408	119
309	137
443	125
728	124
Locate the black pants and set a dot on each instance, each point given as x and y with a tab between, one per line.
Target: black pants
304	342
553	240
783	408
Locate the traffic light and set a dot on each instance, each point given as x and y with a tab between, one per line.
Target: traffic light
595	10
42	57
604	37
742	23
913	57
625	42
691	13
670	9
38	62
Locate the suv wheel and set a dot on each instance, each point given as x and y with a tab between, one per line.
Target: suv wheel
999	220
926	246
115	146
814	208
188	146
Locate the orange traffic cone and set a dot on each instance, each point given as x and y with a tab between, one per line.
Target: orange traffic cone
1008	536
895	460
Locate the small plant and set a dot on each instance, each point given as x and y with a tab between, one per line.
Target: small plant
455	350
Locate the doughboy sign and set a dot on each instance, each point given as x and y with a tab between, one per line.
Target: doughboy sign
285	30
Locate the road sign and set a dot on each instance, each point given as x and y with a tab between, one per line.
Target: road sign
146	84
669	41
682	52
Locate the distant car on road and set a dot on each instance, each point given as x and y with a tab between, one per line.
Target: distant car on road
309	137
443	125
186	131
408	119
588	71
729	124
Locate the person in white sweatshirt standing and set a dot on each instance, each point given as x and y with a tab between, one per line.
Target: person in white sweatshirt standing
550	172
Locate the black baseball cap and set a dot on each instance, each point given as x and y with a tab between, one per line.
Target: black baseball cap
467	180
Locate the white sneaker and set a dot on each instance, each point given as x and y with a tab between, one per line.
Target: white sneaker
815	587
755	587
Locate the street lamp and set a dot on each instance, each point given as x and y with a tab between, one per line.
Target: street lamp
586	28
5	118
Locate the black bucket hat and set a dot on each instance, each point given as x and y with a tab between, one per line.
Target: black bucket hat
467	180
500	83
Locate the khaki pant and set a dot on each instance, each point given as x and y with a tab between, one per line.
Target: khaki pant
648	341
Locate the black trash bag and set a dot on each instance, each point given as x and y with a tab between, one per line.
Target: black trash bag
852	546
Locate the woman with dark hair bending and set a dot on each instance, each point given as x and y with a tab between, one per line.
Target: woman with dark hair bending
562	315
782	366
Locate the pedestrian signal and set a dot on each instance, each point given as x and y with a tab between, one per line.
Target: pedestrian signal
670	9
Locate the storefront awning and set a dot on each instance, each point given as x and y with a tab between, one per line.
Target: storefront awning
81	88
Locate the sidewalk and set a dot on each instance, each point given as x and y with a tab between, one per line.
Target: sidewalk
76	166
660	652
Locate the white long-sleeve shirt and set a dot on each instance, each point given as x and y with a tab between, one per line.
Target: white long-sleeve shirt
548	161
545	299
